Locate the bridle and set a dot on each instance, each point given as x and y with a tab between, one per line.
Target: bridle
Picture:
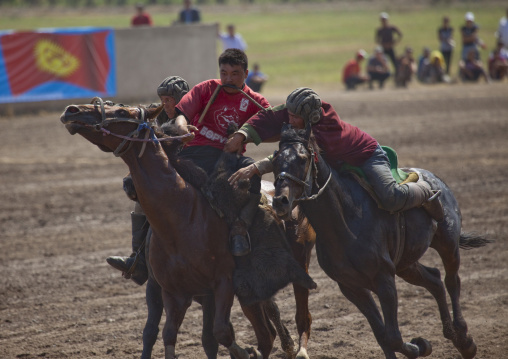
310	176
143	125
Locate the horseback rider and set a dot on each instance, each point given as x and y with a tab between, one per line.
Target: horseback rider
340	142
170	92
185	108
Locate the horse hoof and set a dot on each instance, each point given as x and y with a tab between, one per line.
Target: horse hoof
470	349
424	346
254	353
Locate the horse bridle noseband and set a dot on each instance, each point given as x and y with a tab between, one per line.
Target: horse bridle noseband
310	177
132	137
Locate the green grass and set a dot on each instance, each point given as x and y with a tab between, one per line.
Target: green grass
298	45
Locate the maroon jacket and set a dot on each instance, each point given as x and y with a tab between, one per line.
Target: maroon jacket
339	140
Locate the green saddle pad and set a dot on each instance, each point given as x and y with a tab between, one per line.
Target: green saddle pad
398	174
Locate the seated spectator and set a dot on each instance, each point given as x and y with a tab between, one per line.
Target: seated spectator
377	68
189	14
141	18
256	79
351	75
434	70
423	61
471	69
407	68
498	63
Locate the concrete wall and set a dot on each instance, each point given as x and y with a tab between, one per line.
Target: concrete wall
144	57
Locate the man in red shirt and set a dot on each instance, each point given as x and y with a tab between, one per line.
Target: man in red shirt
351	75
141	17
229	106
340	143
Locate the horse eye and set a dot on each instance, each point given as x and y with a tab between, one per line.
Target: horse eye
123	113
275	153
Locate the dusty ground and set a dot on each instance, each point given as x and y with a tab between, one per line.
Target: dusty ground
63	211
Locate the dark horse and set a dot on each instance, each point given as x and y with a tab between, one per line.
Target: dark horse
188	252
363	247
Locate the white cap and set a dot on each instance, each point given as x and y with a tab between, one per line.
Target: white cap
383	15
469	16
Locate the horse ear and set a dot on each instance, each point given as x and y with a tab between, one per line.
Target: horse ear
308	130
152	113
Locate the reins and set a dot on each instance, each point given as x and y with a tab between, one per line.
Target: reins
133	136
310	177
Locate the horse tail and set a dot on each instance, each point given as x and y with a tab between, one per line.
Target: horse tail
473	240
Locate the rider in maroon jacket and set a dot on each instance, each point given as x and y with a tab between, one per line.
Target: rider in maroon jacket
340	142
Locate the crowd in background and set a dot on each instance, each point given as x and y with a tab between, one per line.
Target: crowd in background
432	66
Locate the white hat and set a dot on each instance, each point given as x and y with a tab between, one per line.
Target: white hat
469	16
383	15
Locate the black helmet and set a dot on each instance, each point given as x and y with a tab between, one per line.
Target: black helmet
304	102
173	86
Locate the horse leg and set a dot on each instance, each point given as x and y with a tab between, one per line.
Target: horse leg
175	312
449	252
155	308
222	329
210	344
363	300
302	254
265	332
387	294
286	342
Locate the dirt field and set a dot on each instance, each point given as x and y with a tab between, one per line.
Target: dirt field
63	212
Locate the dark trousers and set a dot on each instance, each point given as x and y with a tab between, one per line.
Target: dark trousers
206	157
391	54
447	58
352	81
379	77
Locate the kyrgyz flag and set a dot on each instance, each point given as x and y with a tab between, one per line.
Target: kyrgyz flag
57	64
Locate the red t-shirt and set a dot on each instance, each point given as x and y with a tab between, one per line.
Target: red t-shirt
225	109
143	19
352	68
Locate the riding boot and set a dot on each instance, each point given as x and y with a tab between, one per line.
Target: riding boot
134	267
239	235
421	194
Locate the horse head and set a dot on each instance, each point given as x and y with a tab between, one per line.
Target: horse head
113	128
294	169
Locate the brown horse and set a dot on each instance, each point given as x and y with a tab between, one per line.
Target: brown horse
363	247
188	253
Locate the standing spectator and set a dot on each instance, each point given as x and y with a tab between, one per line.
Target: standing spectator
407	68
256	79
351	74
445	36
385	37
498	62
189	14
502	31
377	68
141	18
470	39
231	39
471	69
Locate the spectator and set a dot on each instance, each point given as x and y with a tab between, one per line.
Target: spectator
141	18
423	61
407	68
502	31
377	68
434	70
471	69
445	36
498	62
189	14
232	40
385	37
256	79
351	75
470	40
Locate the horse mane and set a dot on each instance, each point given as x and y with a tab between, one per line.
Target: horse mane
292	135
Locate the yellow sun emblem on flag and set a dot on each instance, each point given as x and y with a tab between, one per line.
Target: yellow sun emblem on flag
54	59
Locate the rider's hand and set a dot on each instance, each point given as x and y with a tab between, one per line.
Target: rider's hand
235	143
243	173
